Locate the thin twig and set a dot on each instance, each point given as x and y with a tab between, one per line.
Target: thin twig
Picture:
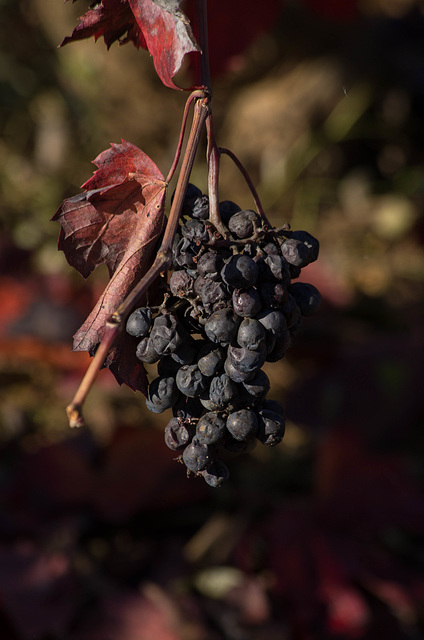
194	95
249	182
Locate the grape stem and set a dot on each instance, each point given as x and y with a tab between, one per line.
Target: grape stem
249	182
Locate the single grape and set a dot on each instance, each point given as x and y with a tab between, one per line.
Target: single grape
212	292
167	334
177	434
251	334
309	241
162	394
196	456
273	320
300	249
307	297
216	474
273	294
209	265
246	302
235	374
240	272
242	224
139	322
242	424
210	429
275	268
221	327
181	283
247	360
259	385
210	359
146	352
190	381
200	207
271	427
222	391
195	231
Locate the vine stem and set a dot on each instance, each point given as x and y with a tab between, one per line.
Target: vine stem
161	263
249	182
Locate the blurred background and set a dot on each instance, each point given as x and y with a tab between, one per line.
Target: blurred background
102	537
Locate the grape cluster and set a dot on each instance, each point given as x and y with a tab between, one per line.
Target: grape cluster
231	306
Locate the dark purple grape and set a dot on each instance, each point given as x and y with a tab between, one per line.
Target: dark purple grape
271	427
181	284
216	474
209	265
196	456
190	381
309	241
200	207
222	391
139	322
184	253
235	374
210	359
243	224
210	429
247	360
240	272
227	208
246	302
300	249
167	334
242	424
307	297
259	385
274	268
273	320
177	434
195	231
212	292
251	334
162	394
146	352
221	327
273	294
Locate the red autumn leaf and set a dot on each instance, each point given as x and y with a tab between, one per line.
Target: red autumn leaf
156	25
116	221
111	19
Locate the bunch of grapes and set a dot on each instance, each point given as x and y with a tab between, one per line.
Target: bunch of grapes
230	307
